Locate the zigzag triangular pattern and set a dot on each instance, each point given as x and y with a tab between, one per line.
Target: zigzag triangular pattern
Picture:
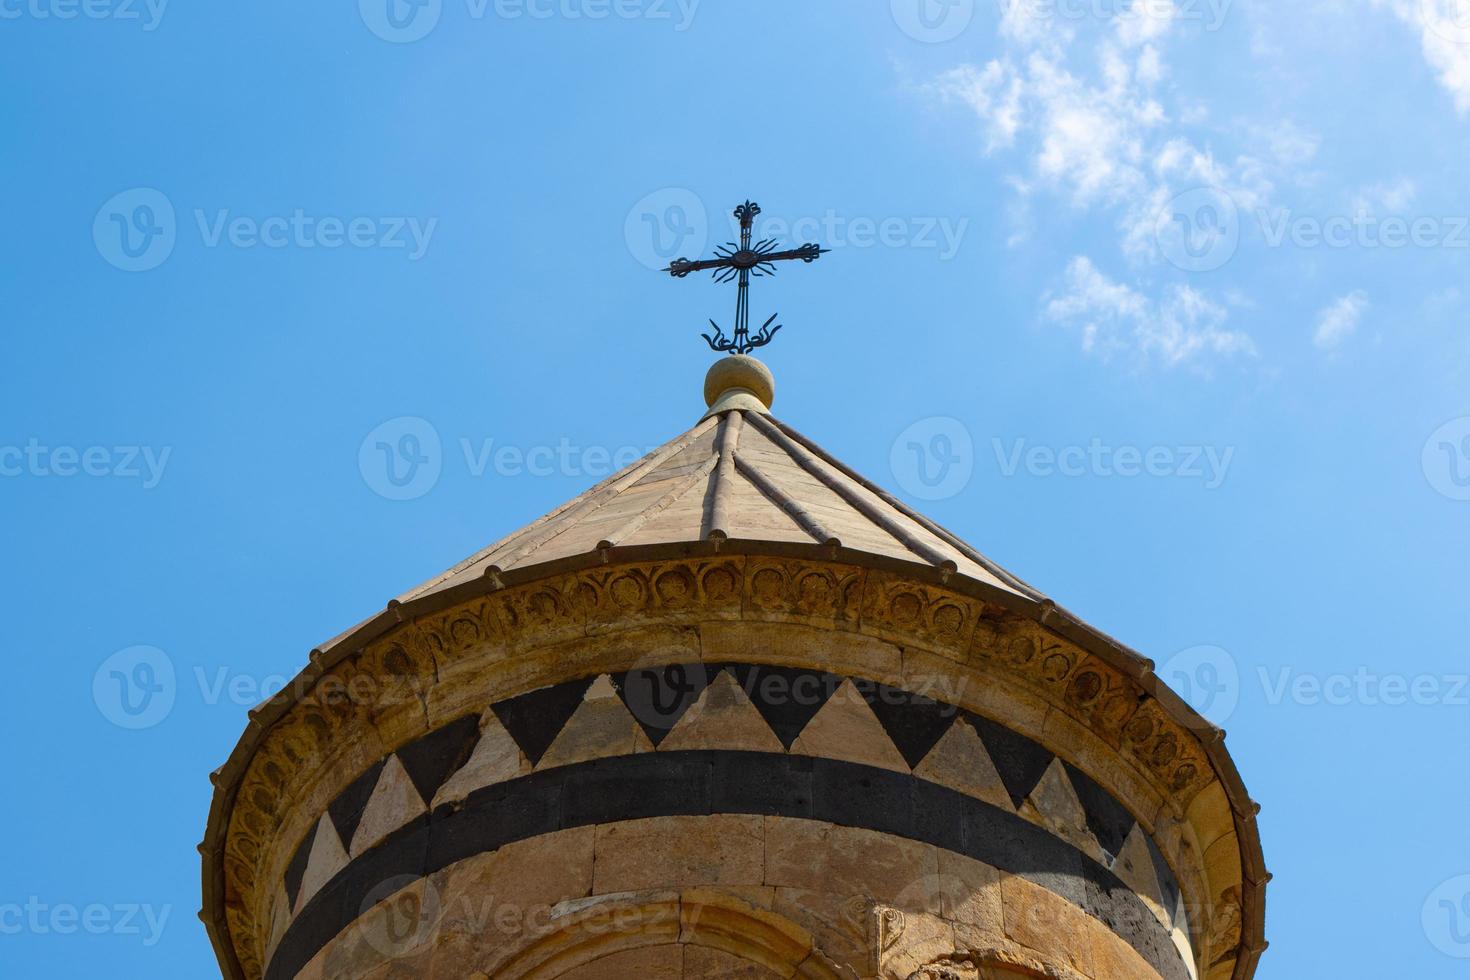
534	720
787	697
846	728
960	762
346	809
432	759
658	696
914	723
722	718
1019	761
328	857
395	801
893	729
1168	884
600	728
296	870
1109	821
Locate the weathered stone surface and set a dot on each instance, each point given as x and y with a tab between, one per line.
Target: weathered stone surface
702	963
1044	923
856	864
671	852
649	963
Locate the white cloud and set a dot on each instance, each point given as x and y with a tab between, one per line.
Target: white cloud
1088	120
1444	37
1387	198
1183	327
1340	320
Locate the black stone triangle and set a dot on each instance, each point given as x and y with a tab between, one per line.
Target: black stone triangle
296	870
1019	761
657	697
347	809
1109	821
914	722
1168	884
787	697
438	755
535	720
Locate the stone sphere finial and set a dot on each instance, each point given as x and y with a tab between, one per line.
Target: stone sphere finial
739	382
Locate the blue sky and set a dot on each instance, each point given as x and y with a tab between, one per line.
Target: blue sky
1162	306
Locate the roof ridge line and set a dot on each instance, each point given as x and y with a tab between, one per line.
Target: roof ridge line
718	528
943	533
648	460
808	521
636	523
807	461
551	514
599	496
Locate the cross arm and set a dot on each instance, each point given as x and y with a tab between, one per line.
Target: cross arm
680	268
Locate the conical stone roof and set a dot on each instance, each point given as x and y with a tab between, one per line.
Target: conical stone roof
739	475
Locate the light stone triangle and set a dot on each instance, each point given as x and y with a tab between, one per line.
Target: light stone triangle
722	718
1180	934
1186	952
280	918
326	859
601	727
959	760
1054	804
847	729
394	803
1135	866
495	759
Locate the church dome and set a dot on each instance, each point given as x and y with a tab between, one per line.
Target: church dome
735	711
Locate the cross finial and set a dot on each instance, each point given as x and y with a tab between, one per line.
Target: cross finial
738	262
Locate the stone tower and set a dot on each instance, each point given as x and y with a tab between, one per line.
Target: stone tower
734	712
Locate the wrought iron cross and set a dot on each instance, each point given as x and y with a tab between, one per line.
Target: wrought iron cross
739	262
